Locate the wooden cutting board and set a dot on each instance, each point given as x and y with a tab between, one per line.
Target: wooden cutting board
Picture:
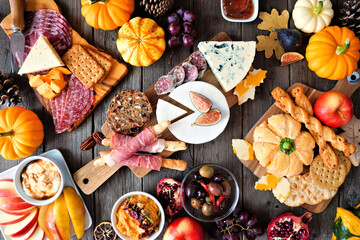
89	177
117	73
341	86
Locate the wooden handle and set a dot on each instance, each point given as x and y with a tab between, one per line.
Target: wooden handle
345	87
17	13
179	165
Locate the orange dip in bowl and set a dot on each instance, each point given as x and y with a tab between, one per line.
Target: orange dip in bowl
138	217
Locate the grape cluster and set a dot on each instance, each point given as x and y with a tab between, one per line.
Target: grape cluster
229	228
181	28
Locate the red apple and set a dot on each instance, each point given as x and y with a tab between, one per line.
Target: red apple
21	228
38	234
15	206
28	234
334	109
18	212
184	228
7	219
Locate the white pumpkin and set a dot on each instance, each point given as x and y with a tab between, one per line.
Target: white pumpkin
312	15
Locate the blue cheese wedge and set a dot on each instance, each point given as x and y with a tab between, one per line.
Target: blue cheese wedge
42	56
229	61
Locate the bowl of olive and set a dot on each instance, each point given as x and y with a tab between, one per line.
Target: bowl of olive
209	193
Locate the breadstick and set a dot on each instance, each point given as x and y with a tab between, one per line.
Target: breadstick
301	100
179	165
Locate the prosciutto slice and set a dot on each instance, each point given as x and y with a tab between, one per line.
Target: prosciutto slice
127	150
149	161
119	139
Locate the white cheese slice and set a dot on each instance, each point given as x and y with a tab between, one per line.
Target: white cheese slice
243	149
230	61
282	190
173	111
42	56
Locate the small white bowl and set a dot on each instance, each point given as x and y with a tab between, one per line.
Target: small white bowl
122	199
250	19
18	184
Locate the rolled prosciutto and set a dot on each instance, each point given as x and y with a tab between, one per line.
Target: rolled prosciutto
120	139
152	162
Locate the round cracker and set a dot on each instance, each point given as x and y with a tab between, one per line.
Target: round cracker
294	200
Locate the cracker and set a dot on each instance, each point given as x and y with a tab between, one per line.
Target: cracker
294	200
103	61
343	159
99	51
325	177
310	193
83	66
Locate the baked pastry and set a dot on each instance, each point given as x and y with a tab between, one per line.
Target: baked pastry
281	147
128	111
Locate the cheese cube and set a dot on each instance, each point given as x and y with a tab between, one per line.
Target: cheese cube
46	91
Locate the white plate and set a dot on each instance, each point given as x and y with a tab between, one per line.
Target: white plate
183	129
250	19
59	159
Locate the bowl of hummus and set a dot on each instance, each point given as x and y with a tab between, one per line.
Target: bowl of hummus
39	180
137	216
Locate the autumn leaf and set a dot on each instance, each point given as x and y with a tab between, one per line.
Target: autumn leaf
269	44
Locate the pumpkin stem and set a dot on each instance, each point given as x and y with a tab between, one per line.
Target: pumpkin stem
287	146
7	134
340	50
318	9
98	1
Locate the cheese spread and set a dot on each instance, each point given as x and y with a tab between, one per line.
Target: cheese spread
40	179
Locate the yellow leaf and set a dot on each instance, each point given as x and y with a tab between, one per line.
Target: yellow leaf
269	44
274	20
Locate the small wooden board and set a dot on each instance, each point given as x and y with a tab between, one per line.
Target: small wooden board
341	86
117	73
89	178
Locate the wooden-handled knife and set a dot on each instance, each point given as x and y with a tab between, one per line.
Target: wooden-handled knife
17	39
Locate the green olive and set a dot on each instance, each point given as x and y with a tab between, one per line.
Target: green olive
207	209
208	199
206	171
196	203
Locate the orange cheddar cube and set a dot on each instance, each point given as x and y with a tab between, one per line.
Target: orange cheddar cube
46	91
63	70
58	85
35	81
55	74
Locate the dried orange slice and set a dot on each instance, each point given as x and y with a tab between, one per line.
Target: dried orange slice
104	231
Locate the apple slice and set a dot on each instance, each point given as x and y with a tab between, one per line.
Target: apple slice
21	228
8	192
7	219
6	184
18	212
28	234
38	234
11	199
15	206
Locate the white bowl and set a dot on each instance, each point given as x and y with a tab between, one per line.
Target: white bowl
121	199
250	19
18	184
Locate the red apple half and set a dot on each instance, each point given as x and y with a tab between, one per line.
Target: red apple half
21	228
184	228
334	109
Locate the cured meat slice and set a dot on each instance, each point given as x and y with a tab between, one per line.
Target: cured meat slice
165	84
152	162
199	61
179	73
119	139
191	72
125	151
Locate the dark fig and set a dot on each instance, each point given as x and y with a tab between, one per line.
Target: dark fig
289	39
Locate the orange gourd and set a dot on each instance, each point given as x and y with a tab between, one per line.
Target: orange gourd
141	41
333	53
21	132
107	14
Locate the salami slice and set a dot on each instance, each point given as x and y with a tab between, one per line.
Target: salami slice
198	60
179	73
191	72
165	84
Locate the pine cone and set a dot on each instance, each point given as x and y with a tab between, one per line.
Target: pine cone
350	16
157	7
9	92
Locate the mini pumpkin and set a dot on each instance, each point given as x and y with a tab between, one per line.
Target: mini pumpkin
281	147
21	132
333	53
107	14
141	41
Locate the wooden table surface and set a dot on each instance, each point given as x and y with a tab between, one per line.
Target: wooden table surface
209	22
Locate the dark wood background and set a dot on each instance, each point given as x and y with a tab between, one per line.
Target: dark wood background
209	22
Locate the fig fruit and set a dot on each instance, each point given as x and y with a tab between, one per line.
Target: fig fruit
289	39
168	193
210	118
290	57
200	102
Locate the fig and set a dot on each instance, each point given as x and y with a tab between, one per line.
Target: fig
168	193
288	225
290	57
289	39
210	118
200	102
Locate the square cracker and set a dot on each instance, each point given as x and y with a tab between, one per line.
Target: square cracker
99	51
83	66
103	61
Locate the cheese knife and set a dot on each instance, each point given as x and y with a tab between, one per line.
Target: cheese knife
17	39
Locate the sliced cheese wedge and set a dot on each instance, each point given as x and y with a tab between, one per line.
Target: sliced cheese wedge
174	111
243	149
42	56
282	190
230	61
267	182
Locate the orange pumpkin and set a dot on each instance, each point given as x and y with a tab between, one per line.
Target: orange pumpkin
141	41
107	14
333	52
21	132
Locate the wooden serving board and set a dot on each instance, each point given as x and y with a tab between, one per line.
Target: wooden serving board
341	86
117	73
89	177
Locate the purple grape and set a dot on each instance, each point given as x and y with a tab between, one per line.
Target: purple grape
174	41
188	40
193	33
243	217
233	236
174	28
250	235
236	211
252	221
258	231
235	229
181	11
226	236
173	17
188	27
220	223
189	16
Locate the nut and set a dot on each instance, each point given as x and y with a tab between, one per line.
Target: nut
98	137
87	144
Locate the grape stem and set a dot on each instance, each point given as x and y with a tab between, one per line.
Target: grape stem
227	229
